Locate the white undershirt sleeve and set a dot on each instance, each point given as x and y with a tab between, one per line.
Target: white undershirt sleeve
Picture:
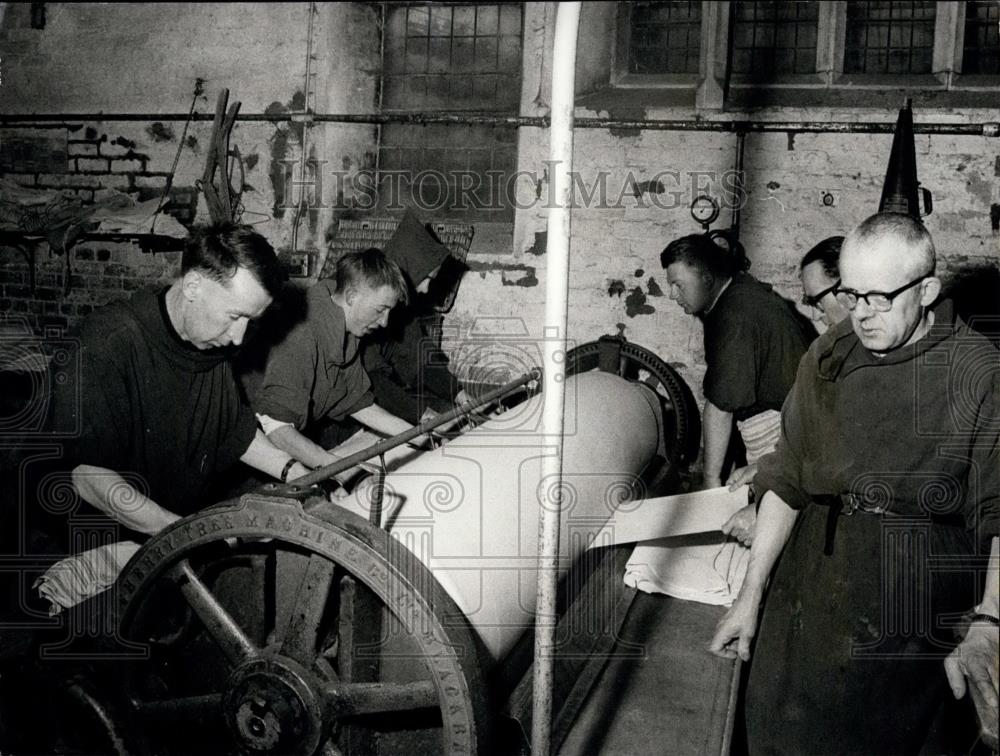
269	424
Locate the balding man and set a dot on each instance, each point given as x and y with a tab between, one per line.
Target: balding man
882	501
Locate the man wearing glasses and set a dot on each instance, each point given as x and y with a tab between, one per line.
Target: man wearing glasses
889	470
819	272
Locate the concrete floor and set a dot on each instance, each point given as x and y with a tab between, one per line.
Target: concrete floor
662	692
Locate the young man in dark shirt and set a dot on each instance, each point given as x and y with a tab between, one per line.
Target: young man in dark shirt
753	344
314	373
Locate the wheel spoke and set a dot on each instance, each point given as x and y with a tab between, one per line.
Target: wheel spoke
220	625
171	709
82	694
345	629
299	640
355	699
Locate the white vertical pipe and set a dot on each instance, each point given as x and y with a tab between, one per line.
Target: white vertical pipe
556	312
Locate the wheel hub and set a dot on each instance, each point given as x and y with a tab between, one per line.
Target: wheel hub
272	707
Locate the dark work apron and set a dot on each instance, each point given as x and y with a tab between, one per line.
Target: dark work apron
857	621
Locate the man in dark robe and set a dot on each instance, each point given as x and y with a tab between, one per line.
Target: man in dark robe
160	413
882	500
753	343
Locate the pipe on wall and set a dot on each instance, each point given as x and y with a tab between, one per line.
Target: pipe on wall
741	138
307	89
554	351
65	120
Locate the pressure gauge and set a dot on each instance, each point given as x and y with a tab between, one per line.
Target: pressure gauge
705	210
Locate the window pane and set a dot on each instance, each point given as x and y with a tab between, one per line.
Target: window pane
487	19
416	21
981	53
773	38
486	54
416	55
464	21
440	55
510	20
457	56
888	36
440	21
664	37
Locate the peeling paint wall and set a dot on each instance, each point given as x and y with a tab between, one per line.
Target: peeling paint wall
150	58
633	186
634	189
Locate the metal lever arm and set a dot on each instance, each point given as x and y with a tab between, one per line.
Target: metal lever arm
327	472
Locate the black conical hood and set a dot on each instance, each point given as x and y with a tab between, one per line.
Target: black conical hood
899	191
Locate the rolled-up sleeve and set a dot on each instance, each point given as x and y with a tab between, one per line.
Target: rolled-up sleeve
103	403
285	393
731	358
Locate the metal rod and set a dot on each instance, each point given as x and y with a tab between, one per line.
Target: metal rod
69	120
354	699
171	709
554	396
378	495
327	472
305	131
741	138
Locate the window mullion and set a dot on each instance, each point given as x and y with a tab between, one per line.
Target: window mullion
713	55
830	40
949	31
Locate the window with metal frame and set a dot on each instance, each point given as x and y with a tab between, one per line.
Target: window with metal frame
454	57
446	56
772	39
889	37
664	37
981	48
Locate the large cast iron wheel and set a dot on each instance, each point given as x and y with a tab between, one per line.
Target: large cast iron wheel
682	421
275	626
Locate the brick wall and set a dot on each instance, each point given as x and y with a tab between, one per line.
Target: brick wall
151	58
95	159
99	274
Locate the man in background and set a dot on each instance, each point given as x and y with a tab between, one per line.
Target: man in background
820	274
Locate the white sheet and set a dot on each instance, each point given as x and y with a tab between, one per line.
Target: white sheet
709	570
681	550
681	514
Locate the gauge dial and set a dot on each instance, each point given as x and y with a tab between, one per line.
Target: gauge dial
704	209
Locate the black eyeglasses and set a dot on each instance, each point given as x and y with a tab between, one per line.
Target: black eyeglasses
813	300
880	301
